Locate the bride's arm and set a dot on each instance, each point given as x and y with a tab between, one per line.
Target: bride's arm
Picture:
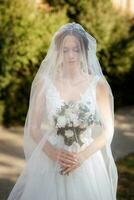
35	118
105	109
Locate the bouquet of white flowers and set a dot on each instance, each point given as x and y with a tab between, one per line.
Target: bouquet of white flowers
71	120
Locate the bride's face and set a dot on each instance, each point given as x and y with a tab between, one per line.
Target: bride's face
71	50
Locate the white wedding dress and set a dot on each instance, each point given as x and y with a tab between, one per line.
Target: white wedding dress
41	180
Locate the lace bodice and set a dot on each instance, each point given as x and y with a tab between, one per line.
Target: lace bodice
54	102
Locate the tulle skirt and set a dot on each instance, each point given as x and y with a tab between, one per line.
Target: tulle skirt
41	179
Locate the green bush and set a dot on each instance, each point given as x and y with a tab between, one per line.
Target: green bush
1	111
25	35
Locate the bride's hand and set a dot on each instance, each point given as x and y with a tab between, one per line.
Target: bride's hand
80	157
64	158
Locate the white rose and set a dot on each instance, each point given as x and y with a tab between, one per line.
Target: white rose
67	111
76	122
73	117
69	133
61	121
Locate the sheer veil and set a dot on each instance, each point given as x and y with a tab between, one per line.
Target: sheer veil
38	129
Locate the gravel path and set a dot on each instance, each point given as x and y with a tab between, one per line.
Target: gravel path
123	141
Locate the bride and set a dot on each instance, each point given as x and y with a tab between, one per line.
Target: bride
69	125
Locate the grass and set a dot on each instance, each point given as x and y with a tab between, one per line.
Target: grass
126	178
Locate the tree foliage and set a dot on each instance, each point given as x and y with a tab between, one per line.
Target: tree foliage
25	34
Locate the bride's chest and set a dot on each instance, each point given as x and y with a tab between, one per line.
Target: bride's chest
54	102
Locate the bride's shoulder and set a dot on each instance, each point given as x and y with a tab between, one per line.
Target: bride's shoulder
101	87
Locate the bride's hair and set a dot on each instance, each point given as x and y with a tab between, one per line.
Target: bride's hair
79	34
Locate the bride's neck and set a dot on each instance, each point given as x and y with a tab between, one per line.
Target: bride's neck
72	73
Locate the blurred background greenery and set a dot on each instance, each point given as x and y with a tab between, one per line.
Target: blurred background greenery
26	30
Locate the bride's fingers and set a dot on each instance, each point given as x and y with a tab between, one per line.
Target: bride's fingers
66	155
63	168
72	167
66	163
67	160
62	171
69	155
64	159
69	169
